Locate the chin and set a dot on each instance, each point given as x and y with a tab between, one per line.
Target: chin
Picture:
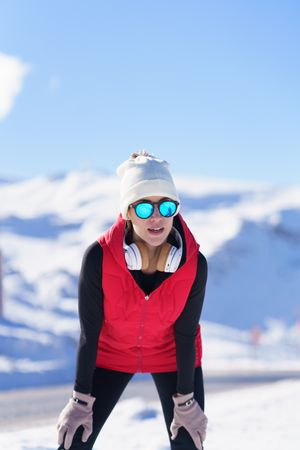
157	242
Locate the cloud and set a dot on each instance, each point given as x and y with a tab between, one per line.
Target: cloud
12	73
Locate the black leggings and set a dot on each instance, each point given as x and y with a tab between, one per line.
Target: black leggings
108	386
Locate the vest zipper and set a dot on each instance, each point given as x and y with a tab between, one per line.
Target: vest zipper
141	333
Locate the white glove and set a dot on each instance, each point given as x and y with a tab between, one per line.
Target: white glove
77	412
188	414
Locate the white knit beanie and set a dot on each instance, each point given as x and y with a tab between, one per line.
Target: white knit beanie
144	175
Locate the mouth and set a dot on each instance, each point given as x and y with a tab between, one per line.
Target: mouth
156	231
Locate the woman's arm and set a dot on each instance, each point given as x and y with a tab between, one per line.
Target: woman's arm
185	330
90	308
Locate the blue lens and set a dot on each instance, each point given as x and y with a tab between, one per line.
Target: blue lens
167	208
144	210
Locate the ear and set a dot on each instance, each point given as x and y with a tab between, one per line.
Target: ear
128	214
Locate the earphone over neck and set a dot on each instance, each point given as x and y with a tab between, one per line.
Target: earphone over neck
137	254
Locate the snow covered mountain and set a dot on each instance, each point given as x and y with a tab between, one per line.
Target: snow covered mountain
249	232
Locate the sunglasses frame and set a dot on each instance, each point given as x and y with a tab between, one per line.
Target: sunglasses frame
134	206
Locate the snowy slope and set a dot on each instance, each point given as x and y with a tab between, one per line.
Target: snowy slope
253	418
250	234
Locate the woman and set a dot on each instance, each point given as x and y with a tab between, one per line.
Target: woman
141	292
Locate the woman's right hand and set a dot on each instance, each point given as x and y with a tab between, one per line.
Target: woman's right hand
78	412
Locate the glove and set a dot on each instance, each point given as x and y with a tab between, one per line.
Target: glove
188	414
78	411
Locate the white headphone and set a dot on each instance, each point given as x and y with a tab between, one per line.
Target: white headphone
137	258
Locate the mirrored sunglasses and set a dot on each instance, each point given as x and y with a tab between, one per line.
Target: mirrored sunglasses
145	208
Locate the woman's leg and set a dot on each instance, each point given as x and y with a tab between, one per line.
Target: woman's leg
108	386
166	384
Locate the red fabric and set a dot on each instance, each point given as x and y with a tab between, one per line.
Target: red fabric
137	333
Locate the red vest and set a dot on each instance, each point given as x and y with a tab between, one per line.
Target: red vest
137	332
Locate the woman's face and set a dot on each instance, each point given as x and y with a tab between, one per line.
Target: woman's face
155	230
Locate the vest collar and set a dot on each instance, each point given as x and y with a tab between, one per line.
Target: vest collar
113	238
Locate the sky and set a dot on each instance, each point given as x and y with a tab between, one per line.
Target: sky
210	86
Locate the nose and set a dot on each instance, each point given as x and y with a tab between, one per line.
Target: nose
156	213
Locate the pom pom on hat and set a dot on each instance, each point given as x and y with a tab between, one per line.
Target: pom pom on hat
144	175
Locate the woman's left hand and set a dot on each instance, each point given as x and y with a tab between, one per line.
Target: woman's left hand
188	414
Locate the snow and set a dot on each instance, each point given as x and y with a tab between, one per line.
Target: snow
249	351
249	232
257	418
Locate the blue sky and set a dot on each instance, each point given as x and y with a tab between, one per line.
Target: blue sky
210	86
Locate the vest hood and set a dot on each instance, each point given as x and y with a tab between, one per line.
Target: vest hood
113	238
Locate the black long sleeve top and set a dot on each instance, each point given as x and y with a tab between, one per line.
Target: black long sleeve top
90	306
